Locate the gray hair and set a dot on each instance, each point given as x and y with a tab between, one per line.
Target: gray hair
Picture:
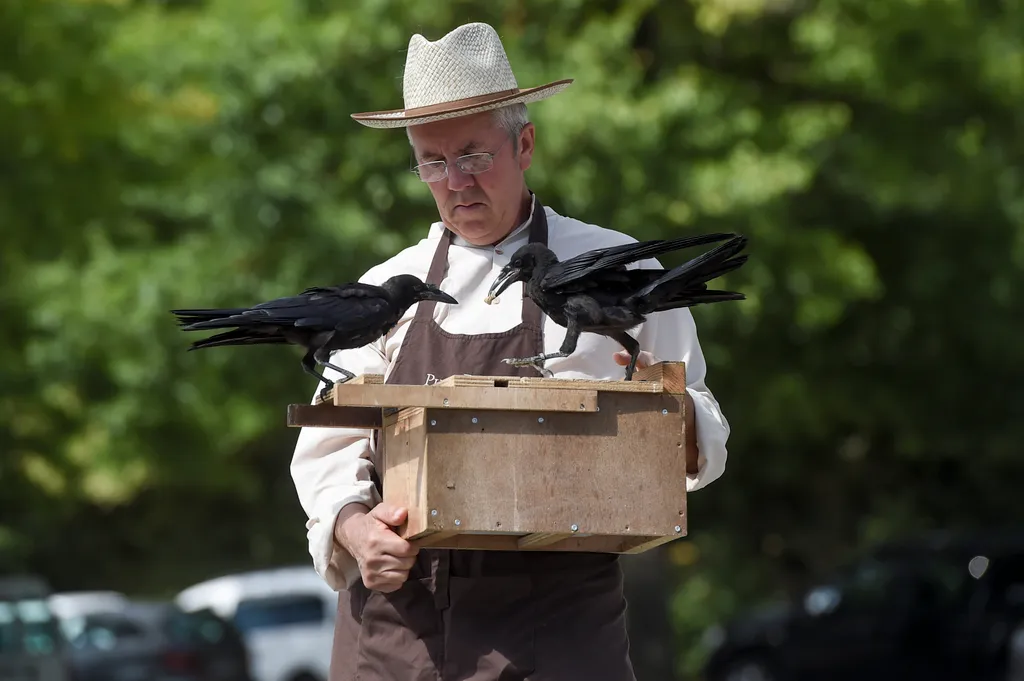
512	119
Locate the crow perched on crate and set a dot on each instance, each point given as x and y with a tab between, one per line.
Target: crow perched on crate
320	319
594	292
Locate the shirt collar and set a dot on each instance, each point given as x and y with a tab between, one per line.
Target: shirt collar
437	229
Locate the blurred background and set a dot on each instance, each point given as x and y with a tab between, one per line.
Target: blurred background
161	154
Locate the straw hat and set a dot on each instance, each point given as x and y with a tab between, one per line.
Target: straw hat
463	73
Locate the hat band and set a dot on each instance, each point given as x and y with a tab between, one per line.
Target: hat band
458	103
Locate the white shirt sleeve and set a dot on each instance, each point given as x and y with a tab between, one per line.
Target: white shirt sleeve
331	468
671	336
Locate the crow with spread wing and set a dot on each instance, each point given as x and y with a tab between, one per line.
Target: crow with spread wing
595	292
320	319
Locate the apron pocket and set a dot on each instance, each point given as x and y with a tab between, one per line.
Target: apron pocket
490	625
401	636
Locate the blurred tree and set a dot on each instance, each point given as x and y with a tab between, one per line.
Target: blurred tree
163	154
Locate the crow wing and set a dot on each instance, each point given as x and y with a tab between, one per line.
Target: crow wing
618	256
620	282
353	305
705	267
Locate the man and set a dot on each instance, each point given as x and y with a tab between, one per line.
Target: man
483	615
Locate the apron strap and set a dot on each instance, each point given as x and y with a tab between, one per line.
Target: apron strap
425	308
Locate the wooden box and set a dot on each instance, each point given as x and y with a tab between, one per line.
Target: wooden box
485	462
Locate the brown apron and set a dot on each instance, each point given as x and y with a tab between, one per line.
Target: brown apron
484	615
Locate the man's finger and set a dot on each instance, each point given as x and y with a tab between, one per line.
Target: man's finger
380	560
406	562
385	580
389	563
643	360
389	514
394	546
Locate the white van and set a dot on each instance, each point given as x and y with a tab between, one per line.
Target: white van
285	615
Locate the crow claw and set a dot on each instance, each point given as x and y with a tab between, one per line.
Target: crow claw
535	362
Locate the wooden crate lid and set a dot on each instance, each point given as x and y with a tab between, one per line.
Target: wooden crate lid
363	401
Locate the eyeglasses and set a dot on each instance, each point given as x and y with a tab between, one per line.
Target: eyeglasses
471	164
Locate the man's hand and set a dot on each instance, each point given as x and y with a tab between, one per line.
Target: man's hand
383	557
644	360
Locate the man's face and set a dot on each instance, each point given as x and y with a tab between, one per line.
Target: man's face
481	208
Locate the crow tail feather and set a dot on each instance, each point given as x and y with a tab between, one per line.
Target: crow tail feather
686	284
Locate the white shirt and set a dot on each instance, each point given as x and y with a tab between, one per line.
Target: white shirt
331	466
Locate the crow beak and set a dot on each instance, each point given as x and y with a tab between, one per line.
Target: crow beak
505	279
438	295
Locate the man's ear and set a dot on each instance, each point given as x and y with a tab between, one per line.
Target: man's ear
526	146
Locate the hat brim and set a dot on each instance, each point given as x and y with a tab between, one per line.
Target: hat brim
400	118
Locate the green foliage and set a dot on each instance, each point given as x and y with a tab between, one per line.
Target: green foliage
165	154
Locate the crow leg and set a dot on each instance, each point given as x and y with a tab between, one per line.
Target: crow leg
309	366
632	347
318	356
572	336
347	375
322	358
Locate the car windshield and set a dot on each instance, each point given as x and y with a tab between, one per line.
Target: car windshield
279	611
27	627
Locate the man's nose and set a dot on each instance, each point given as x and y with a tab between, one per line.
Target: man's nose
458	180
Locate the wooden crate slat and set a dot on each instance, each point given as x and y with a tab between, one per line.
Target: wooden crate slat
670	375
512	542
478	397
361	379
329	416
539	539
466	380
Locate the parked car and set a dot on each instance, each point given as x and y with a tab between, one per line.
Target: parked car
69	604
1016	650
940	608
286	616
155	642
31	645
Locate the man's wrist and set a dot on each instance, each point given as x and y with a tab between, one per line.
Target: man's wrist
341	525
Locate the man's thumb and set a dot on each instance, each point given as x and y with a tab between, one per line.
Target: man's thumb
389	514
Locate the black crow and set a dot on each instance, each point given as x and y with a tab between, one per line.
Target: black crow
594	292
320	319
